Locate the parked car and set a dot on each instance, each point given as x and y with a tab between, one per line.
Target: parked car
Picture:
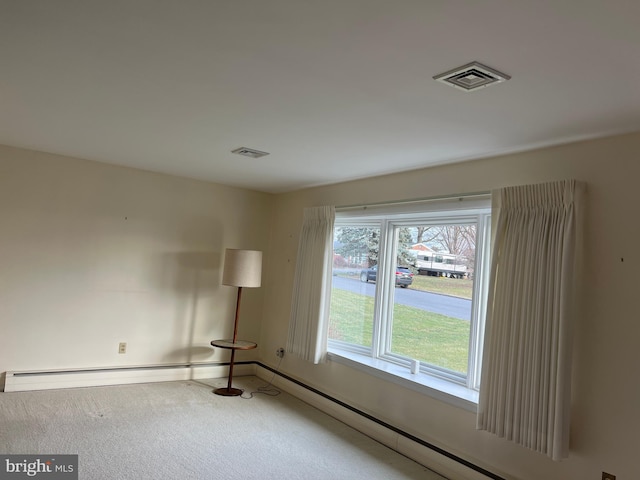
404	276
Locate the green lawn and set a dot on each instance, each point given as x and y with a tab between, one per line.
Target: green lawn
417	334
351	318
458	287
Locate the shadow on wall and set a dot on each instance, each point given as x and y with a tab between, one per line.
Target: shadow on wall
3	376
194	279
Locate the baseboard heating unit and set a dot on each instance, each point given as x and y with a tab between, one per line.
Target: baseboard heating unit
95	377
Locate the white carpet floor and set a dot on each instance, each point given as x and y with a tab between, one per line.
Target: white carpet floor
180	430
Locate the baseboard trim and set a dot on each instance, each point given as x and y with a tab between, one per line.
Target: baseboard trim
96	377
423	452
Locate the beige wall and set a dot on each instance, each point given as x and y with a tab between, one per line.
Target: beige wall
605	417
92	255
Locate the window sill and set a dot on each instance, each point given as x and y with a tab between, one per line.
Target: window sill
443	390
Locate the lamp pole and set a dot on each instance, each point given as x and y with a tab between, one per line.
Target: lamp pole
235	337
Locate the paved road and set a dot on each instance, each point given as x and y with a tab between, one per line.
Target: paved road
432	302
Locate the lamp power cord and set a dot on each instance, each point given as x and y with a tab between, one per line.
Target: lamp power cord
267	389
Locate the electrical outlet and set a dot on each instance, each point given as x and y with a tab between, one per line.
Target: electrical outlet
608	476
280	352
122	347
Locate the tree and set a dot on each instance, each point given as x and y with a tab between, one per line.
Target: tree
359	245
459	240
405	241
422	231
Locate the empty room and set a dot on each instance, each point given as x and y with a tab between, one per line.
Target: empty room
354	239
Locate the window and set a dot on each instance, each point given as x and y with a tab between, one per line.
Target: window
409	287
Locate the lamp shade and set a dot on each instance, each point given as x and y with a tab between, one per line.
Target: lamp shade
242	268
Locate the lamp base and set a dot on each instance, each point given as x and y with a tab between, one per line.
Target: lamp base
228	392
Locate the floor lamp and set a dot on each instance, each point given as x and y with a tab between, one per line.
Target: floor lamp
242	268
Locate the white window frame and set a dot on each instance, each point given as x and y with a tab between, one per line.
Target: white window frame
378	360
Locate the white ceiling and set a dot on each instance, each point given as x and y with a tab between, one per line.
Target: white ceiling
334	89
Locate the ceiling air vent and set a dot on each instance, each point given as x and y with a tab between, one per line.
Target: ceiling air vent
472	76
249	152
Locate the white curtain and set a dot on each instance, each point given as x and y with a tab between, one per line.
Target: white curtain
526	370
309	319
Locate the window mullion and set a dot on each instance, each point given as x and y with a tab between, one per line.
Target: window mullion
479	301
384	292
379	299
389	262
473	334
